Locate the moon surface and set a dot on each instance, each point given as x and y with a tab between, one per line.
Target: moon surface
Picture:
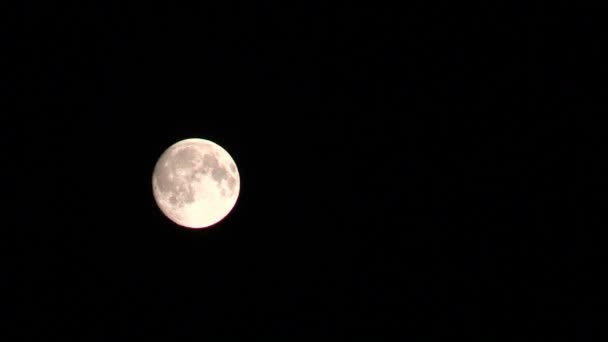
196	183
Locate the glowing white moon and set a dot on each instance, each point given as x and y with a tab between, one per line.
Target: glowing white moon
196	183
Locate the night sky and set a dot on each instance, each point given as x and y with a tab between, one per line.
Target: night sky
405	172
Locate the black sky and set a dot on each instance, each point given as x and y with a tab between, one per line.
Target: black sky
405	171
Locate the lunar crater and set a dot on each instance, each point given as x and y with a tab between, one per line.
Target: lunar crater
219	174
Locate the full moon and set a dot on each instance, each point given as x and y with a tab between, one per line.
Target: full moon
195	183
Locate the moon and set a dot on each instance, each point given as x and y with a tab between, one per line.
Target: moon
195	183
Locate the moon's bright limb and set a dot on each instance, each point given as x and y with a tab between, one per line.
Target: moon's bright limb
196	183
